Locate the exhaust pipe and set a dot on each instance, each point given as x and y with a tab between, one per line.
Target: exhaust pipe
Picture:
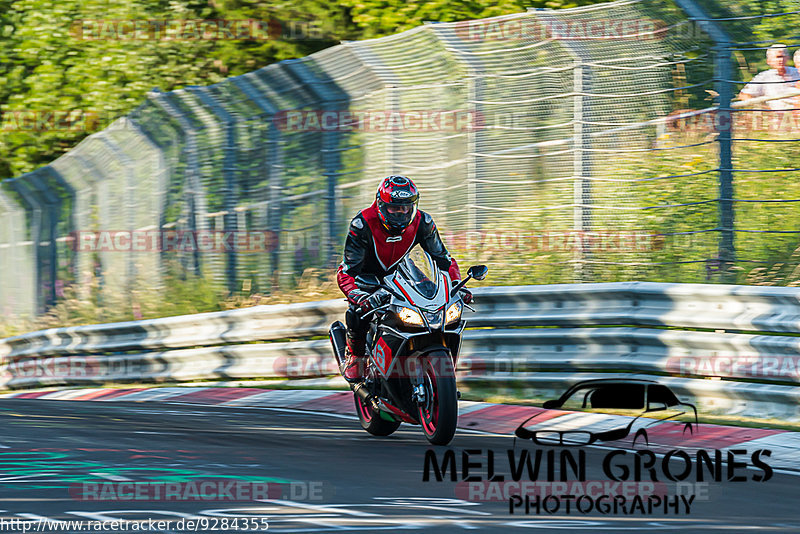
338	337
360	389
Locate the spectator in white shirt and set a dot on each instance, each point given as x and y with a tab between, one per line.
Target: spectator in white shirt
796	61
777	81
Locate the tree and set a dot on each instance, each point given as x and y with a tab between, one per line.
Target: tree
81	57
377	18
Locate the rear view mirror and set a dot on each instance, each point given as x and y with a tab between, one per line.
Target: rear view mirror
368	282
478	272
550	405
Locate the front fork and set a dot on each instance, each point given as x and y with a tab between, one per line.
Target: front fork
418	394
421	392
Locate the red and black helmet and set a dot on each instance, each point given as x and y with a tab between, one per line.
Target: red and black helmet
397	199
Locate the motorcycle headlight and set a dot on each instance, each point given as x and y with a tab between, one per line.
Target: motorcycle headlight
409	316
434	319
453	313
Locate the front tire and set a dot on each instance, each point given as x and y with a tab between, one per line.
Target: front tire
373	422
439	414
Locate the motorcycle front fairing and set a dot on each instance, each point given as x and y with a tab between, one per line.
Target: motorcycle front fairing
414	324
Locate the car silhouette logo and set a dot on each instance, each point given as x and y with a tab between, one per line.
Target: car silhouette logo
608	410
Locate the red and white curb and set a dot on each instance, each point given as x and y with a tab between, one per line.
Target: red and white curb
480	416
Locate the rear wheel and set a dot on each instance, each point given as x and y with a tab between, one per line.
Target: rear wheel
438	415
372	422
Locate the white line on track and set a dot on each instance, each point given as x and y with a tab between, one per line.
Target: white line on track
24	477
319	508
113	478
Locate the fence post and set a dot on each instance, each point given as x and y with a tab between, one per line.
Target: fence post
126	164
331	99
582	186
581	142
192	187
392	151
723	74
17	284
35	205
72	171
475	170
169	161
229	178
727	246
52	207
69	216
93	178
475	81
7	238
581	158
274	163
163	174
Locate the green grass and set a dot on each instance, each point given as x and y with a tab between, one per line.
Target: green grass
180	296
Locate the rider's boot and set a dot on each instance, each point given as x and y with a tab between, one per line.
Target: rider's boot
355	360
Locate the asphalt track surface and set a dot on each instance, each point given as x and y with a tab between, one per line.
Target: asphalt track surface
358	483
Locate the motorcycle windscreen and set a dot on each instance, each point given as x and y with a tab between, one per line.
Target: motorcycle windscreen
419	269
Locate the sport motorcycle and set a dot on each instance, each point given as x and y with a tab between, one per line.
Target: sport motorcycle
412	347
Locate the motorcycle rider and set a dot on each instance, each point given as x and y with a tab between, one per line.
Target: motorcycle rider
378	238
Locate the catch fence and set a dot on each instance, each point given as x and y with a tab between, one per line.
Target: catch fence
552	145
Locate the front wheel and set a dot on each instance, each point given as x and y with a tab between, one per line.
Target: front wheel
438	414
373	422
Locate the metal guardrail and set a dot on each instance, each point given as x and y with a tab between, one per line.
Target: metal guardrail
258	323
599	329
707	306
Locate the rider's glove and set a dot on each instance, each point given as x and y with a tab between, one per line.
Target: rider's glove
466	295
378	299
358	297
368	301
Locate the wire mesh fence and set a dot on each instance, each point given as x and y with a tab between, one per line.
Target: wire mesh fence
554	145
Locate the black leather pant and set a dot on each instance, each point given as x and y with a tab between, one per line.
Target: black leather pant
356	327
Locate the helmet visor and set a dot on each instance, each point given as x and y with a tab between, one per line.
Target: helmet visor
399	215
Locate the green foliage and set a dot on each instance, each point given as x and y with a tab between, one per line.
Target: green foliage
377	18
181	295
55	57
760	33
